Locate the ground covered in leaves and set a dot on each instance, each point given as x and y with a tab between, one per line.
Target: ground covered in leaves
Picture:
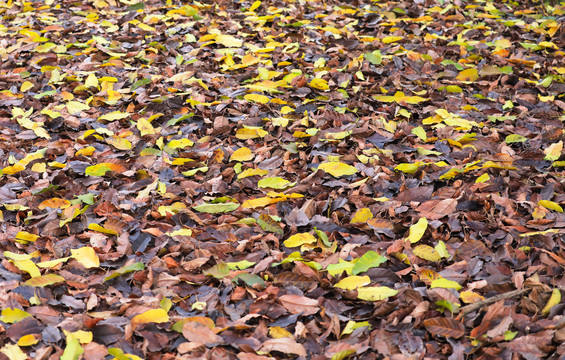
279	179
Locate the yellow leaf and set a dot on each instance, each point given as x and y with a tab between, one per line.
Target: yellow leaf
550	205
553	151
119	143
274	183
86	256
24	237
27	266
408	168
338	169
417	230
171	209
391	39
242	154
28	340
483	178
101	229
180	143
470	297
45	280
228	41
375	293
151	316
299	240
445	284
468	75
262	99
252	172
255	203
277	332
554	299
26	86
250	133
146	27
353	282
426	252
84	337
75	107
54	203
13	352
114	115
361	216
91	81
87	151
420	132
319	84
145	127
52	263
442	249
14	169
253	7
102	168
38	167
11	316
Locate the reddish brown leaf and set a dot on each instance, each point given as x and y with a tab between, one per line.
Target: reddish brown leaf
447	327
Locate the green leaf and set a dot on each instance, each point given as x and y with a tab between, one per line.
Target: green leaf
211	208
135	7
515	138
102	168
73	350
370	259
240	265
125	270
268	224
340	267
219	271
274	183
374	57
249	279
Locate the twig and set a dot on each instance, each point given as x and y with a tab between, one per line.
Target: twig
465	310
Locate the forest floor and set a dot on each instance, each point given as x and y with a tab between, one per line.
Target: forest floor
282	179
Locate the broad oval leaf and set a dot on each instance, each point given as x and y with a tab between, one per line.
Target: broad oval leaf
361	216
445	327
45	280
102	168
151	316
426	252
338	169
375	293
299	240
86	256
353	282
417	230
216	208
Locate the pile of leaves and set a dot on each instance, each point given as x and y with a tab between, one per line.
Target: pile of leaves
277	179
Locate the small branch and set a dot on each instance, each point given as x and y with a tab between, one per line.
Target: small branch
465	310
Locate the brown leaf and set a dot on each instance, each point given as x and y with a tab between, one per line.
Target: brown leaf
445	327
297	304
200	333
285	346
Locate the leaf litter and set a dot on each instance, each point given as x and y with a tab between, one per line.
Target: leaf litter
254	180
